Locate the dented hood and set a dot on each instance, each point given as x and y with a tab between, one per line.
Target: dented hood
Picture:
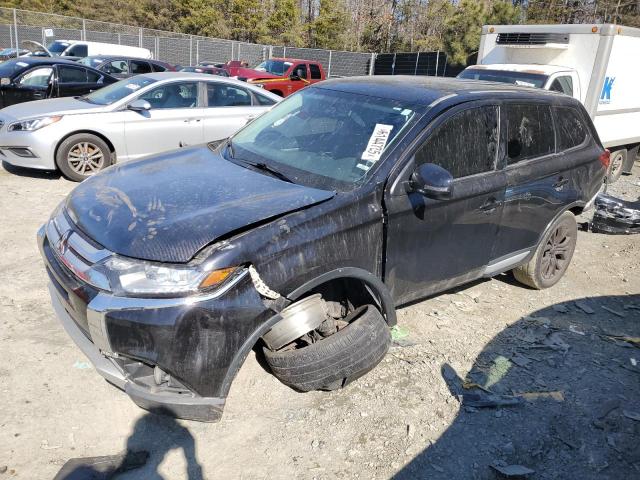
167	208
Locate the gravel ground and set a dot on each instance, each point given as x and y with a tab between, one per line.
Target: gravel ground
559	349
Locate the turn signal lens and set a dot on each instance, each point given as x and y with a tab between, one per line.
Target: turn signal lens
217	277
605	158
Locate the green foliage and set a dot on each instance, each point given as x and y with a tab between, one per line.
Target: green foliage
246	19
283	24
330	25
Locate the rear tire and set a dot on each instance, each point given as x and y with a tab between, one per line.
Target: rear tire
553	255
82	155
337	360
618	162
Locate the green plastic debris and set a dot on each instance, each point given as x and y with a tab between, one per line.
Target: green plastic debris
398	333
498	370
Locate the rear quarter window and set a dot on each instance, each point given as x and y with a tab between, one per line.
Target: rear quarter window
529	131
571	129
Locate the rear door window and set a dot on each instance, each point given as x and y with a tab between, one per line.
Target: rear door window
570	127
173	95
158	68
71	74
138	67
117	67
466	144
315	72
221	95
529	132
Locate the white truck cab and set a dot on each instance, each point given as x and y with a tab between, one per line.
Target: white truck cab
592	63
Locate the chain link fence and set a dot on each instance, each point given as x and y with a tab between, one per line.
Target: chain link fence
181	49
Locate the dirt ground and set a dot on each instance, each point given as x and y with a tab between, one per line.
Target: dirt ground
579	419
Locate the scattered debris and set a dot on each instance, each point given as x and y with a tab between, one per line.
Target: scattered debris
101	468
561	308
398	332
584	307
488	400
81	365
576	330
499	368
512	471
520	360
557	395
635	341
3	468
554	341
615	216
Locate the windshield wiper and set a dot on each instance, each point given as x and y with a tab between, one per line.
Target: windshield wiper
268	168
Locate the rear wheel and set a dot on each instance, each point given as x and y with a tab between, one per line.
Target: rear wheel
617	163
336	360
82	155
552	256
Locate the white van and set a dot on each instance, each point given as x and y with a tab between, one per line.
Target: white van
76	48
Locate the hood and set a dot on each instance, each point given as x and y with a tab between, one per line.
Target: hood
250	73
168	207
52	106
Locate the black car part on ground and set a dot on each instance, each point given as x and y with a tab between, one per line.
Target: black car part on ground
615	216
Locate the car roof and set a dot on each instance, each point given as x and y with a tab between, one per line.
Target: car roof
424	90
202	77
42	61
122	57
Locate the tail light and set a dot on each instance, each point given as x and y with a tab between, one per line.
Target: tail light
605	158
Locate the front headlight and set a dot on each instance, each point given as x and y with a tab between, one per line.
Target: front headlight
33	124
136	277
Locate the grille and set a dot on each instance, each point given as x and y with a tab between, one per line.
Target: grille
531	38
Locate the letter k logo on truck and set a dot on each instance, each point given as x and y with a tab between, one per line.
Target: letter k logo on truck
605	96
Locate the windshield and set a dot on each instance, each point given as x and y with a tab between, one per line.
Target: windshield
10	67
57	47
117	91
91	61
323	138
274	67
536	80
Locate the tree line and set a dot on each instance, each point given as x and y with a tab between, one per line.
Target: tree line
356	25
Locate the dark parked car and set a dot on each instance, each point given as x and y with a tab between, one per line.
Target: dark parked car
32	78
7	53
304	231
206	69
124	67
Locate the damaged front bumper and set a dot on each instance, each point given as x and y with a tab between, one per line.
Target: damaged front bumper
176	356
615	216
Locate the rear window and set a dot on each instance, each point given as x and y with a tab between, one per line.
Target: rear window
71	74
529	132
263	99
315	71
138	67
570	127
158	68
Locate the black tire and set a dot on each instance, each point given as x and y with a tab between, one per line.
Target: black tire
553	255
618	162
70	160
337	360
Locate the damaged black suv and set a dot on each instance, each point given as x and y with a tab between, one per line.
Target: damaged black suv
300	235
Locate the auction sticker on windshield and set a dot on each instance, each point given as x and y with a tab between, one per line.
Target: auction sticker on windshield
375	146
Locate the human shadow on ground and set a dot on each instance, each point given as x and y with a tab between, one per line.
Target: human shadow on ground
154	435
573	370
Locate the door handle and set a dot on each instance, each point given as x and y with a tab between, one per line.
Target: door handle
559	185
490	206
38	95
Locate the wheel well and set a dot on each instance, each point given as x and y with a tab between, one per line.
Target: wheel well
343	295
90	132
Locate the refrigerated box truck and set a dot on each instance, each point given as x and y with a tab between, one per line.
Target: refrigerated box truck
597	64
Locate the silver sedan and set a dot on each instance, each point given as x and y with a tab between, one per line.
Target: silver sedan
127	120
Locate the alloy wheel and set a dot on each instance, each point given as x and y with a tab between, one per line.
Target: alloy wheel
85	158
555	257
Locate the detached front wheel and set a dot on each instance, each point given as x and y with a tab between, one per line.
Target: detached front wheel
334	361
82	155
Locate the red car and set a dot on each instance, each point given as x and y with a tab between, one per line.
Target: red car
281	76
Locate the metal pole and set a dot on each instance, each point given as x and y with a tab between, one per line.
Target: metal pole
415	70
44	41
372	64
190	49
157	48
393	65
140	39
437	61
84	30
15	27
197	52
329	67
444	72
284	52
270	51
119	39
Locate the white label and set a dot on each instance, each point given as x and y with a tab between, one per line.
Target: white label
377	142
132	86
522	83
48	32
22	64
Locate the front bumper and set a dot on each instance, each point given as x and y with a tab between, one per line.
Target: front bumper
28	149
171	355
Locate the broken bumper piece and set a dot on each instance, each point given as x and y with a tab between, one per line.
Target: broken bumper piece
615	216
137	379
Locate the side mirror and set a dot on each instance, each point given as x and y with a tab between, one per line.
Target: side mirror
139	106
432	181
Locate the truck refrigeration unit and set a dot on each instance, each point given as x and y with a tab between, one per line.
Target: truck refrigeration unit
597	64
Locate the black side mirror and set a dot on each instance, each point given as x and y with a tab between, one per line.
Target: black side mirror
432	181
